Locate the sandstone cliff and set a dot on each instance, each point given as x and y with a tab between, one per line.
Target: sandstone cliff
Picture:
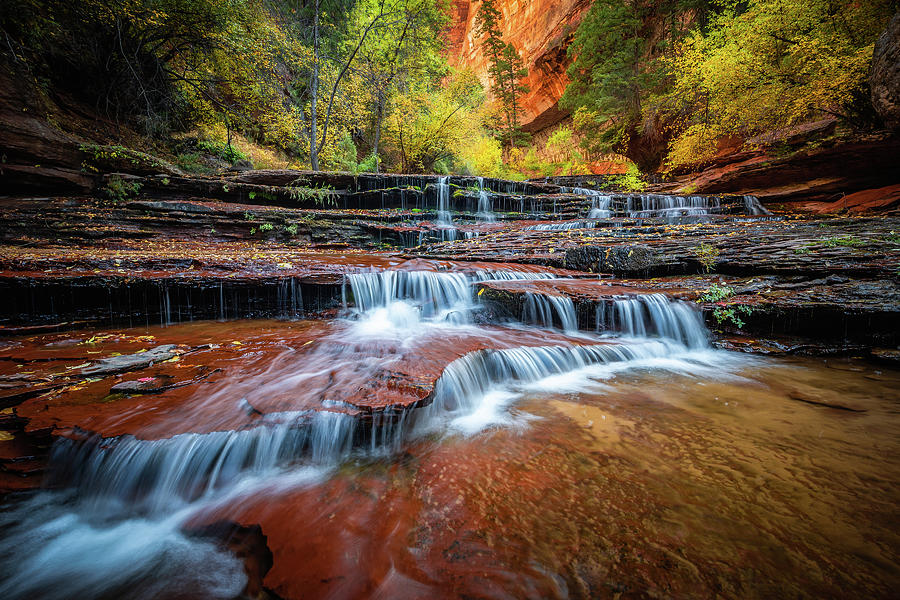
541	31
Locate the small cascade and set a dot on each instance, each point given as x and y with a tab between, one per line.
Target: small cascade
485	211
467	381
546	310
444	221
510	275
752	206
157	474
653	205
439	296
643	315
599	202
290	298
562	226
165	308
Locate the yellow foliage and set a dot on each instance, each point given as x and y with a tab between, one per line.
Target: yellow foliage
481	155
774	65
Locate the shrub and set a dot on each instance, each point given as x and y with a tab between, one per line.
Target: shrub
708	255
117	189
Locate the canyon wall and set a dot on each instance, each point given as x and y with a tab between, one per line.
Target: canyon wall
541	31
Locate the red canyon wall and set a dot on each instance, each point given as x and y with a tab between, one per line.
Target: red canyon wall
541	31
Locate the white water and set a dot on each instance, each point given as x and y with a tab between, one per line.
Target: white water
562	226
444	218
644	315
643	206
752	206
653	205
53	550
416	296
546	310
485	210
474	391
599	202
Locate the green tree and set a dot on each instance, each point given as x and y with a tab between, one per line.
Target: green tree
616	71
505	69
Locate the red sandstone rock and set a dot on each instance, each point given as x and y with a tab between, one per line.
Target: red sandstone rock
261	368
877	200
541	32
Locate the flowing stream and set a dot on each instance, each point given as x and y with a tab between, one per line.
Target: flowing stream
544	461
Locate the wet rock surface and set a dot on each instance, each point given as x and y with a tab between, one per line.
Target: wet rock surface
171	389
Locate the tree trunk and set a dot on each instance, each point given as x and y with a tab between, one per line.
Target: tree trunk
379	115
313	149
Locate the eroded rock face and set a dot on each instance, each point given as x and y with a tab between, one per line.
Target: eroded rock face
34	155
884	77
541	32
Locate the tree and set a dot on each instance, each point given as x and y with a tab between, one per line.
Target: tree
505	69
402	53
432	124
380	12
616	72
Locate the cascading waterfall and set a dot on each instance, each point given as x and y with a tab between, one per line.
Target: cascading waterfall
185	468
752	206
444	218
644	315
562	226
474	388
546	310
599	202
162	475
290	298
124	503
157	474
485	210
439	296
652	205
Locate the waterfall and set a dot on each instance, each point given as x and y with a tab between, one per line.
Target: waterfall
600	208
165	309
442	295
561	226
599	202
545	310
444	218
471	388
654	205
160	475
643	315
485	210
182	468
290	298
752	206
439	296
